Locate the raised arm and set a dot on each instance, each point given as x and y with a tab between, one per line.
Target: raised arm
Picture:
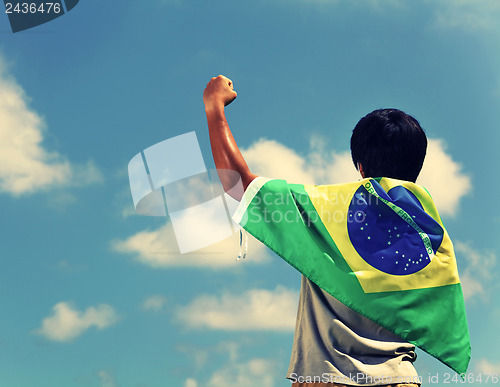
218	94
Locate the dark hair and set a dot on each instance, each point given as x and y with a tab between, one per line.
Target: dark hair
389	143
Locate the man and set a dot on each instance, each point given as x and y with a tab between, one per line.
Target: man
333	344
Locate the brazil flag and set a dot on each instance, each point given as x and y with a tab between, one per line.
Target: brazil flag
378	246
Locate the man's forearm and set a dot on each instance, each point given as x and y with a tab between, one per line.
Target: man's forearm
224	148
218	94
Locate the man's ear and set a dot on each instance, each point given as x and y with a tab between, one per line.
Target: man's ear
360	169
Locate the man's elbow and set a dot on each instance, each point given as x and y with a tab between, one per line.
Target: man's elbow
234	183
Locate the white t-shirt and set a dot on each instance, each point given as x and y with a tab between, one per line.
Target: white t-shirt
333	343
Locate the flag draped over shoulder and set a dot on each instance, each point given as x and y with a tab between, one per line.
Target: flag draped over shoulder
378	246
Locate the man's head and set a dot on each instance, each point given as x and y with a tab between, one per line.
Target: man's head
389	143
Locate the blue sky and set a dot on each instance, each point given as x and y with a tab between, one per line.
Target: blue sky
89	296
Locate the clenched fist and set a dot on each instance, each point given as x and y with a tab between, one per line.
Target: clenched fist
218	93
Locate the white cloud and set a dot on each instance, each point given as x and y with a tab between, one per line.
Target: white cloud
158	248
446	14
486	367
377	5
467	14
67	323
477	276
260	372
255	372
232	349
25	165
128	211
443	178
256	309
198	356
190	382
154	303
441	175
85	174
317	166
69	267
106	379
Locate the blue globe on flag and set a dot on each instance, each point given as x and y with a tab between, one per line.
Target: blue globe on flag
384	239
